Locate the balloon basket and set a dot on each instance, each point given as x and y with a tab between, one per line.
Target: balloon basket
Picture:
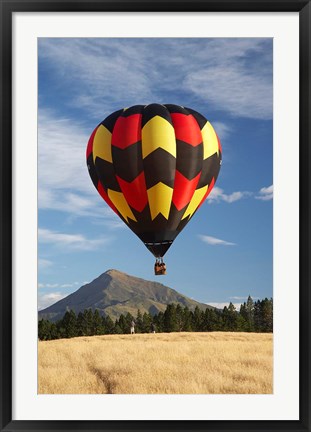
159	268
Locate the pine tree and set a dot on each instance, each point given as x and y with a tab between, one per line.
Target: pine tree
117	329
215	320
187	319
267	315
250	313
97	327
121	322
87	322
197	323
44	330
139	322
108	325
69	324
147	320
241	324
128	320
81	331
170	323
206	323
159	322
230	318
179	318
247	311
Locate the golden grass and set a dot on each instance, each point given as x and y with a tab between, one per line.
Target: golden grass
163	363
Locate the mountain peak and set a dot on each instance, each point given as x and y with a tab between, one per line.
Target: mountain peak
113	272
114	293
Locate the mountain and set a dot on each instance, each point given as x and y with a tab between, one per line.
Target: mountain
115	293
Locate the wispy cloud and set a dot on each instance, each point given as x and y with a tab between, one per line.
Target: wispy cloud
234	75
46	300
58	285
218	195
74	242
44	263
113	71
69	285
221	305
230	81
243	298
265	193
62	145
243	94
222	129
213	241
64	182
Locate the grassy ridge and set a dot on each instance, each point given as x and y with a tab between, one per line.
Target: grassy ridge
166	363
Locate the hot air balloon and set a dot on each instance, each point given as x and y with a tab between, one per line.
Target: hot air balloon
154	165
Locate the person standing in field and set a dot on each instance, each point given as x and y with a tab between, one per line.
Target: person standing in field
133	327
152	328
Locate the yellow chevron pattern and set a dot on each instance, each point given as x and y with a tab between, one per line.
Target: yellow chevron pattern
195	201
160	198
210	141
121	205
102	144
156	133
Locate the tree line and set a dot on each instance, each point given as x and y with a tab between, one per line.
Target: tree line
252	317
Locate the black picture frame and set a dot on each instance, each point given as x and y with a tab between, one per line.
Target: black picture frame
8	7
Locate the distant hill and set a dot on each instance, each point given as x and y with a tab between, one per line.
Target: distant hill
114	293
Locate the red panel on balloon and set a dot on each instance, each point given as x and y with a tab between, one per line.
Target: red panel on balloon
184	190
89	148
135	192
207	192
127	131
104	195
186	129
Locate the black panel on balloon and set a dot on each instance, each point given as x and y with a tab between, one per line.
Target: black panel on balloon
128	163
153	110
159	166
106	175
110	121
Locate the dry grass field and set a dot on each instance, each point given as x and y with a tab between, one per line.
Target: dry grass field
164	363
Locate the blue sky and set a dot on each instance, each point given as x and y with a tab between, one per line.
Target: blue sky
225	252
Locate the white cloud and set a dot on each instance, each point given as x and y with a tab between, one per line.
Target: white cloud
74	204
217	195
44	263
234	75
243	298
61	153
69	285
215	241
46	300
56	285
104	71
242	93
75	242
64	182
265	193
221	129
229	82
221	305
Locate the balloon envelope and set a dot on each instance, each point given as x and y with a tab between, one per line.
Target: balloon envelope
154	165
